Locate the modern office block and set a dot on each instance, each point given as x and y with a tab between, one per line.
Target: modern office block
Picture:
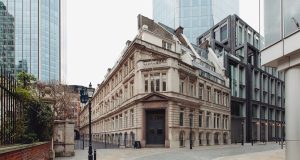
257	92
196	16
280	29
35	29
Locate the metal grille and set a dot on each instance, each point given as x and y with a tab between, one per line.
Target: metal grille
10	108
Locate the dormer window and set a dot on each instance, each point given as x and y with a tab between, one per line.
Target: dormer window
166	45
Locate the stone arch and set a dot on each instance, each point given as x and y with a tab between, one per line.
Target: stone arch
193	138
125	139
208	137
76	134
200	138
181	139
120	139
132	138
225	138
116	138
216	138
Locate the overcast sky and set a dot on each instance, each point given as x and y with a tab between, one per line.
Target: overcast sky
98	29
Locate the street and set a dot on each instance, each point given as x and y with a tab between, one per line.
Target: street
197	153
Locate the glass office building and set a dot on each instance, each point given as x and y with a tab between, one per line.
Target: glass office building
31	34
196	16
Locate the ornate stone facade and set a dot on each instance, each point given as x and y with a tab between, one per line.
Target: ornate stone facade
158	82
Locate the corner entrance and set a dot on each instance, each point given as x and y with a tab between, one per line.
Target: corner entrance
155	127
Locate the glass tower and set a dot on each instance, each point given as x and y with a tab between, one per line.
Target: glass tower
196	16
31	37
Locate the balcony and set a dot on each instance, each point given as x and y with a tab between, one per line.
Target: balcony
157	63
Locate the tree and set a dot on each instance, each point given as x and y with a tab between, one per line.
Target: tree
36	123
62	97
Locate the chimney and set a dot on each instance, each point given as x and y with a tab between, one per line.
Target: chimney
179	31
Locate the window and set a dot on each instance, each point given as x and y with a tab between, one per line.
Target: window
223	32
208	119
157	82
126	120
181	86
240	36
166	45
131	88
200	91
191	118
125	92
191	89
200	118
164	82
146	82
132	117
181	117
120	121
152	83
208	94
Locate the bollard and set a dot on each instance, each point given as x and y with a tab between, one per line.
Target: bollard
252	142
95	157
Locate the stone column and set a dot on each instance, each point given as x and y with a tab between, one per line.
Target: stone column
292	110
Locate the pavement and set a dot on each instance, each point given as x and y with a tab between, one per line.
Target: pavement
269	151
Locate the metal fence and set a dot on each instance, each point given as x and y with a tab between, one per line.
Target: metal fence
10	108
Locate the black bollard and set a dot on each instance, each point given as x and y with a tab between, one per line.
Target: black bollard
95	157
252	142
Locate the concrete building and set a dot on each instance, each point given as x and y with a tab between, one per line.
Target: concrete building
37	37
158	82
280	30
257	92
196	16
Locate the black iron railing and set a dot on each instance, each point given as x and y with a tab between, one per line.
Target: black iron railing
10	108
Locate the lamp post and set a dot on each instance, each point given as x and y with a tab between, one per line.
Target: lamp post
242	133
191	121
86	95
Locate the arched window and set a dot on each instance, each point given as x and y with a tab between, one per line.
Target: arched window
200	139
216	138
225	138
125	139
207	138
181	139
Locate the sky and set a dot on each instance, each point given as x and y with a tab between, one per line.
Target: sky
97	30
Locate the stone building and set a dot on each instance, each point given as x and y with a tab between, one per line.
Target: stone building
160	80
257	92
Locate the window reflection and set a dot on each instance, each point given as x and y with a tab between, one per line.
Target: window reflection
291	16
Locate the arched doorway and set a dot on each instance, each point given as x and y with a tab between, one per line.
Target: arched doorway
181	139
225	138
120	139
208	139
200	138
76	135
216	138
125	139
193	138
132	138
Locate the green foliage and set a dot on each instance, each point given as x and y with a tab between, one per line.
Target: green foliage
25	79
37	121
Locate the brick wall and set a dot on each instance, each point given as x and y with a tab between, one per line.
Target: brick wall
37	151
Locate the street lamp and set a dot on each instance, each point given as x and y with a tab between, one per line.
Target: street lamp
86	95
191	121
242	133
